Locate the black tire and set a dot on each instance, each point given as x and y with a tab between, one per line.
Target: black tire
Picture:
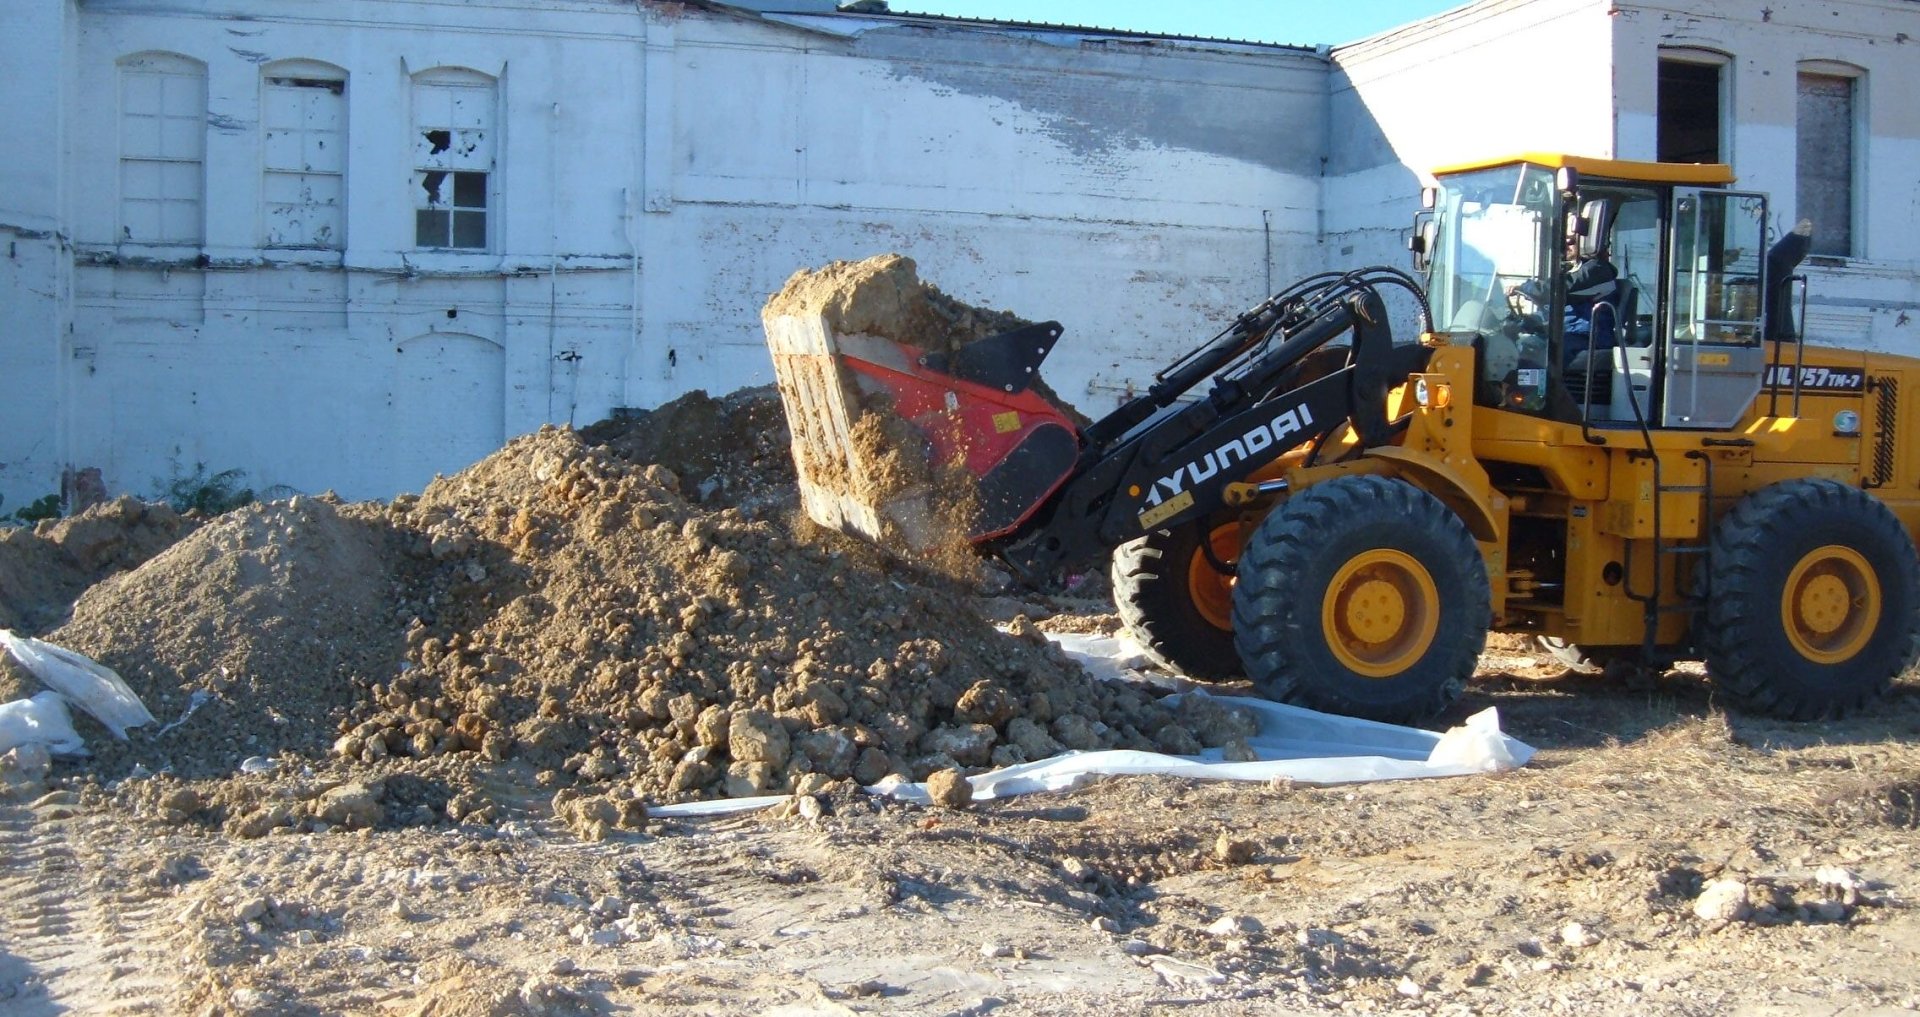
1154	595
1814	600
1366	533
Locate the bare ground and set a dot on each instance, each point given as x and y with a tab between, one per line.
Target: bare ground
1565	887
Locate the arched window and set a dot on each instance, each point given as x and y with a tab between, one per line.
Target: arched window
1827	159
453	158
163	143
303	122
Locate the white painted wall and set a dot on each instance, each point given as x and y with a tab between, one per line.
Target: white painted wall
1492	78
660	172
1871	301
35	276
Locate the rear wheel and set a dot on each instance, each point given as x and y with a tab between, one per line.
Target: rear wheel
1365	596
1815	600
1176	603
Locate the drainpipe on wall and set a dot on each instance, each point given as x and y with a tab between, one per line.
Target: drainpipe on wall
553	246
1266	233
633	306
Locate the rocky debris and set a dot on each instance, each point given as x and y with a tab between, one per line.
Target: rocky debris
1723	900
884	296
1578	936
23	771
583	614
1235	925
949	789
729	452
597	817
1233	850
353	806
626	633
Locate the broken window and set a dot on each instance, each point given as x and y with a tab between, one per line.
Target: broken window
453	114
163	129
304	119
1825	159
1689	107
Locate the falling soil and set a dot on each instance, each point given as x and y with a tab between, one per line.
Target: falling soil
907	470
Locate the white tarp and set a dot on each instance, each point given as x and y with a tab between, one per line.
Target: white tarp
82	682
1292	743
42	721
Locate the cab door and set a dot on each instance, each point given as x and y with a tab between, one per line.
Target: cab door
1714	356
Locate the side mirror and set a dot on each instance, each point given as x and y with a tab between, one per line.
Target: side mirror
1593	226
1422	239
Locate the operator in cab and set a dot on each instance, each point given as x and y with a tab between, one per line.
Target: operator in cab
1590	282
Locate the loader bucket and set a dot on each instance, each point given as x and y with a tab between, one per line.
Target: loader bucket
902	445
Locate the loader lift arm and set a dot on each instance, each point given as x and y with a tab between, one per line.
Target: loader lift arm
1155	463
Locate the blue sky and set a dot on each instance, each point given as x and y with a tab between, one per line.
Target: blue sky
1300	22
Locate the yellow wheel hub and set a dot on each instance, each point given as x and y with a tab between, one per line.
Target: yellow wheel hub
1209	590
1380	613
1830	605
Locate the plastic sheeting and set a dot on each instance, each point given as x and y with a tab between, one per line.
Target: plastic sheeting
80	681
42	721
1292	743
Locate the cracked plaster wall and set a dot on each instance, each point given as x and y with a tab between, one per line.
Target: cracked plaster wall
1139	191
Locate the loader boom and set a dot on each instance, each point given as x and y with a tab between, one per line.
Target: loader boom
1158	463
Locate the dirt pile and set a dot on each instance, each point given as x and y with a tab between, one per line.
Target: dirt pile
44	567
560	605
633	640
731	451
254	628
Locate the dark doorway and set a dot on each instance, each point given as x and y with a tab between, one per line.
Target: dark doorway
1689	111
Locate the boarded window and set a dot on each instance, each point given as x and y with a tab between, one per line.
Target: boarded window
1825	162
453	119
1689	117
304	119
163	130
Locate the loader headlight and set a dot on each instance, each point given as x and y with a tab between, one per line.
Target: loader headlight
1432	395
1846	422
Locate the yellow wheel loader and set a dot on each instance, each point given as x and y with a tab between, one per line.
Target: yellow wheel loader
1649	469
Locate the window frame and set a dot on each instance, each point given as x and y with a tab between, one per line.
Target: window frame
424	166
309	74
1856	133
162	65
1723	63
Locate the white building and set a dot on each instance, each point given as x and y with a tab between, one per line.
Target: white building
351	244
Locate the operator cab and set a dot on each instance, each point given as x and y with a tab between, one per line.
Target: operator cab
1611	293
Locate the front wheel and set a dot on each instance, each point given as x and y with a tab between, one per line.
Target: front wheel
1365	596
1176	602
1814	600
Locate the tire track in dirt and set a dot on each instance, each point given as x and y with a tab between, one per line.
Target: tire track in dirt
77	937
